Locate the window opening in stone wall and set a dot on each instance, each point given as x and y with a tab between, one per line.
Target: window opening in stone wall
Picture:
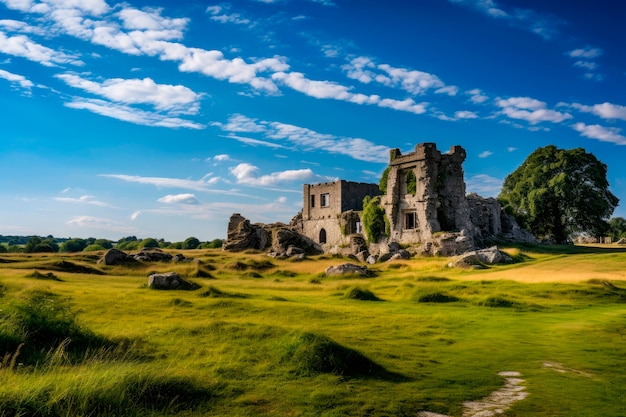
325	200
411	182
323	236
312	201
358	228
410	220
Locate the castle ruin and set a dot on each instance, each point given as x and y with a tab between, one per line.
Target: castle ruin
424	202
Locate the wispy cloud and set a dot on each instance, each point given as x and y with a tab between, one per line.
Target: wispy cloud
601	133
605	110
175	99
201	185
540	24
90	222
221	14
20	80
485	154
584	58
305	139
131	114
484	185
85	199
415	82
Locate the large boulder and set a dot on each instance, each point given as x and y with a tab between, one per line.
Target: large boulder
478	258
348	269
286	240
280	239
153	255
116	257
170	281
242	235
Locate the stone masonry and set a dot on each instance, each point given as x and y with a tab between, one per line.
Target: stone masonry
438	204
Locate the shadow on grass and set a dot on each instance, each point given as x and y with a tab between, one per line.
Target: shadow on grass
565	249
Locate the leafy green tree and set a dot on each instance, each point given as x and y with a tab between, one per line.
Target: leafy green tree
191	243
373	219
105	243
557	192
618	228
73	245
149	243
382	185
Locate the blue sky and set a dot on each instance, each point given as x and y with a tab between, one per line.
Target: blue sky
161	119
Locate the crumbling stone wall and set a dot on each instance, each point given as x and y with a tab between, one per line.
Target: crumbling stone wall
331	211
439	202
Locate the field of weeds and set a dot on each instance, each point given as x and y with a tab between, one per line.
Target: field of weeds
267	337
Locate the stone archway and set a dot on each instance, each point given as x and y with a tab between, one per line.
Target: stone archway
323	236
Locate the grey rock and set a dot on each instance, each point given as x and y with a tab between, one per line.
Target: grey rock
116	257
347	269
170	281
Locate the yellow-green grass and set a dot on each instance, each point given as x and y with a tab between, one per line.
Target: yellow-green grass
235	347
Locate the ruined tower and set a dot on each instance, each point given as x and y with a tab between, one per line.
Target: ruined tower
425	193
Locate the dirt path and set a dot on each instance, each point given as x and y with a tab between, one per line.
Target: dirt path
496	402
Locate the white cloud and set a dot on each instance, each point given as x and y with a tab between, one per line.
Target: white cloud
202	185
247	174
465	115
219	14
538	23
511	149
256	142
477	96
99	223
601	133
159	27
485	154
23	46
130	114
179	199
586	52
85	199
530	110
222	157
20	80
135	215
408	105
605	110
365	70
305	139
484	185
173	98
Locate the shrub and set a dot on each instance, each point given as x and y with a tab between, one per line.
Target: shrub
374	223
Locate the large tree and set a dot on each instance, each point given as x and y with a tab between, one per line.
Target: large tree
557	192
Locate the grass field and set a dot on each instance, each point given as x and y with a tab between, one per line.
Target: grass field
265	337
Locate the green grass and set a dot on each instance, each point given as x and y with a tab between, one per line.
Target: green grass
278	338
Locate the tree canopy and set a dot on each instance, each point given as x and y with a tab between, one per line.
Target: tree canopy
557	192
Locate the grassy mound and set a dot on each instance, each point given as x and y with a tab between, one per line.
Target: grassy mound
434	297
214	292
34	330
125	395
71	267
361	294
312	354
49	276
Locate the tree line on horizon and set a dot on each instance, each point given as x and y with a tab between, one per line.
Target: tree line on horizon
50	244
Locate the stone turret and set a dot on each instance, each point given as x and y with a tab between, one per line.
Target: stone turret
438	201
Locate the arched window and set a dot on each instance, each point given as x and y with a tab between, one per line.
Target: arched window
323	236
